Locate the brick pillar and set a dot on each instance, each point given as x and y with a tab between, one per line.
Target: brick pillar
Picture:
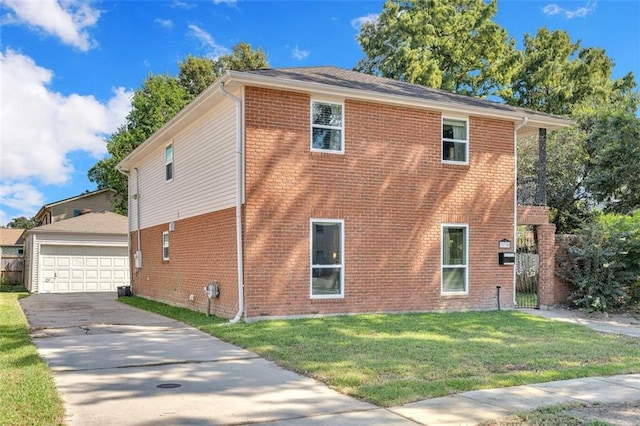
547	253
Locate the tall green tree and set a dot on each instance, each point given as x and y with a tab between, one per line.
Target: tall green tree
197	73
449	44
22	222
159	99
613	167
556	74
559	76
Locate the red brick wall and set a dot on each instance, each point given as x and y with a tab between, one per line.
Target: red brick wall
393	193
533	215
201	249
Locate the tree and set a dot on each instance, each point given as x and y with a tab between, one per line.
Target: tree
559	76
242	58
22	222
448	44
159	99
198	73
556	74
613	167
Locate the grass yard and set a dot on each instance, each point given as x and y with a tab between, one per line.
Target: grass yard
28	395
390	360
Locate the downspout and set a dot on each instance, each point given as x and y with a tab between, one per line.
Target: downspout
128	175
523	123
239	168
138	246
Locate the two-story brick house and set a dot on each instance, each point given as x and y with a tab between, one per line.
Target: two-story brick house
323	191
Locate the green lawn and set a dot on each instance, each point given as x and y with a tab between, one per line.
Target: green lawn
28	395
394	359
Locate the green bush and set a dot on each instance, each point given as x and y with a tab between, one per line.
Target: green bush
603	262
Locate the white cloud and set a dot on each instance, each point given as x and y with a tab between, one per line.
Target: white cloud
177	4
22	198
165	23
580	12
356	23
230	3
299	54
65	19
39	128
214	49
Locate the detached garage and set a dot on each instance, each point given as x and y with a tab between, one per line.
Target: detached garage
88	253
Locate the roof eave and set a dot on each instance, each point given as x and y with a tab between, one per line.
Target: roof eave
173	126
534	118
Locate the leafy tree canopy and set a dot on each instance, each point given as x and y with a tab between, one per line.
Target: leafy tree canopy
555	75
159	99
449	44
22	222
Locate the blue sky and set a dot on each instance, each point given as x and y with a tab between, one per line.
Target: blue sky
69	67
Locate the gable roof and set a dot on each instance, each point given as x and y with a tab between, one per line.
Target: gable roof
333	81
11	237
90	223
76	197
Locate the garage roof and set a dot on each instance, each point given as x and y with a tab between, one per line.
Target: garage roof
90	223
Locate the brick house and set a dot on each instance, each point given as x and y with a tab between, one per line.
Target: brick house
318	190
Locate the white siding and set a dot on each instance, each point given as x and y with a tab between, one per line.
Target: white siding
204	172
36	241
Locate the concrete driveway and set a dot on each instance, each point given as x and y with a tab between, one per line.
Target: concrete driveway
117	365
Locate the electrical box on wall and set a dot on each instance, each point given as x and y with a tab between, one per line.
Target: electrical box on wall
506	258
138	259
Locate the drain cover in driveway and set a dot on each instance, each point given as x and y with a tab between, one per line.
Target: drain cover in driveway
168	385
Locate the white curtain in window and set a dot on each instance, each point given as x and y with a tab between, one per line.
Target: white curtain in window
455	129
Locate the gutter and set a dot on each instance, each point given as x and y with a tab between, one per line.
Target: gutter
239	167
519	126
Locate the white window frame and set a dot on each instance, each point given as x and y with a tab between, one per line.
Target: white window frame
165	245
167	162
319	221
322	126
466	142
465	226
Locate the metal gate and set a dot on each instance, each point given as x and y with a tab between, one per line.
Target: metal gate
527	268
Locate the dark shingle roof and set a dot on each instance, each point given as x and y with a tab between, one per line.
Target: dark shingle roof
347	79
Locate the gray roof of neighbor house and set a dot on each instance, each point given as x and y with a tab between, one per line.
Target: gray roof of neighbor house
333	81
90	223
11	237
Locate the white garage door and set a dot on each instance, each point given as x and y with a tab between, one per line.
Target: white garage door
65	269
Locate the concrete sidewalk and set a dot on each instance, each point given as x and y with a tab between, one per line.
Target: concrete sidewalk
114	364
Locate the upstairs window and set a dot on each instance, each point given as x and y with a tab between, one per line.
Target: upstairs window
165	245
168	161
327	127
455	141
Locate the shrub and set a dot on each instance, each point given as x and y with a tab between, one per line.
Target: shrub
603	262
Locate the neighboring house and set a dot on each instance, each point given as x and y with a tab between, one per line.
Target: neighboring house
100	200
11	256
87	253
311	191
